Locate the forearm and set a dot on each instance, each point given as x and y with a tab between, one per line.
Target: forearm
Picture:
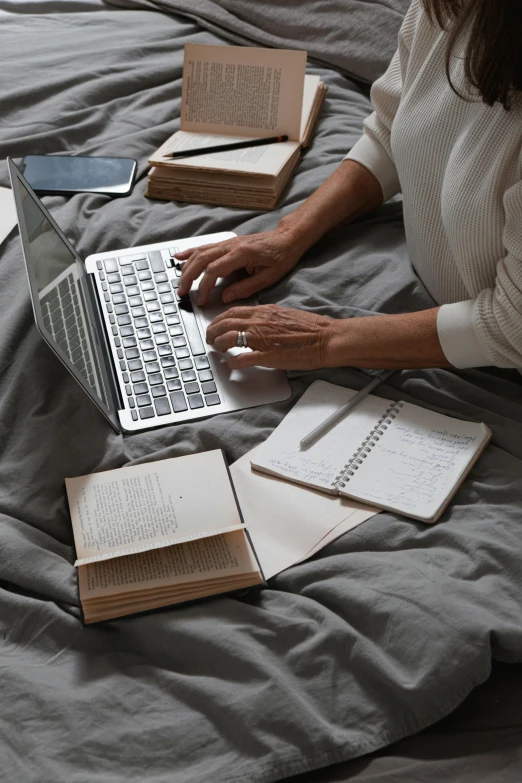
405	341
349	192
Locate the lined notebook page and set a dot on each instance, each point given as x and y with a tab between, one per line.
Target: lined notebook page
418	462
319	465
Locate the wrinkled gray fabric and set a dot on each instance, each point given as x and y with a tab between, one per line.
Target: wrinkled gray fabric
381	634
355	37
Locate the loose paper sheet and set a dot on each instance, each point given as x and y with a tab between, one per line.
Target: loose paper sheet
153	505
227	89
288	523
7	213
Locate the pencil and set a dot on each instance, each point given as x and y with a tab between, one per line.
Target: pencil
341	412
235	145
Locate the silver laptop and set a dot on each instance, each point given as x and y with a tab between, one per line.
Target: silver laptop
118	325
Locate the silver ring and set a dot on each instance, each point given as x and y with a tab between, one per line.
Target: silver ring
241	341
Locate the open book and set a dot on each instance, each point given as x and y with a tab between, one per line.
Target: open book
233	93
392	455
147	535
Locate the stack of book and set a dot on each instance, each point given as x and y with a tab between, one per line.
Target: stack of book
232	94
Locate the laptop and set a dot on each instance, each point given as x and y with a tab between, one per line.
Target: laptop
116	322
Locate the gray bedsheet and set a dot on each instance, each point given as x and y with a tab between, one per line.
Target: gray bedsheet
380	635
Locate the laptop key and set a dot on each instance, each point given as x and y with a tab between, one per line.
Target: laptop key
149	356
146	413
129	342
143	400
126	331
127	270
134	415
153	306
152	367
128	390
188	375
132	353
122	366
202	363
114	278
162	406
147	345
110	264
135	364
159	327
185	364
205	375
170	372
156	261
140	388
212	399
155	317
130	280
125	260
164	350
112	318
142	264
163	288
192	387
131	402
149	296
141	323
144	275
117	299
108	298
175	330
147	285
182	353
178	402
178	342
168	361
120	352
116	288
135	301
137	376
133	290
172	320
158	391
121	309
209	387
138	312
170	309
143	334
161	339
166	298
161	277
99	264
174	384
196	401
155	378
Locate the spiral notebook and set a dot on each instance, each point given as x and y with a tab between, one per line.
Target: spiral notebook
391	455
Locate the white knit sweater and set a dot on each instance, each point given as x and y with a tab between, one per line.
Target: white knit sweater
458	164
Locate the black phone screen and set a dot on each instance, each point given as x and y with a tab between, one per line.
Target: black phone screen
79	174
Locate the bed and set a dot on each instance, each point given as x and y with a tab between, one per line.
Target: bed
394	654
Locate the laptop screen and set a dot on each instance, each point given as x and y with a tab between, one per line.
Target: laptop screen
60	296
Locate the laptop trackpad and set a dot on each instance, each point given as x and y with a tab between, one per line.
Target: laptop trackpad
252	385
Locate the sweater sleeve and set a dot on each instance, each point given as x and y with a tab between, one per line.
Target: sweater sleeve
373	150
488	330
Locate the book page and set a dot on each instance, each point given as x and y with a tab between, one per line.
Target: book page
242	89
132	509
261	161
216	557
311	86
417	462
319	465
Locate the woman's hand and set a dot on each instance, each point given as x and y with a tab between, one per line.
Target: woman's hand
267	257
278	336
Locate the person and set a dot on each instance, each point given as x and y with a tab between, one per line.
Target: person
447	132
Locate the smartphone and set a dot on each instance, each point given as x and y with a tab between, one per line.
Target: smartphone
67	174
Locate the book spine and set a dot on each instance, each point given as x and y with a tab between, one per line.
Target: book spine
366	446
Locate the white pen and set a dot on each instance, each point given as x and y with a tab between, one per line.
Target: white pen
341	412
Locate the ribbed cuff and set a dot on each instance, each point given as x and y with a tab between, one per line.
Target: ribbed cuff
371	154
458	337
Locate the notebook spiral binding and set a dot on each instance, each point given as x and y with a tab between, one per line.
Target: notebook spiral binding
367	445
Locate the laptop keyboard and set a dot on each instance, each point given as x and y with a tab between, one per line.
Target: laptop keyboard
63	320
162	356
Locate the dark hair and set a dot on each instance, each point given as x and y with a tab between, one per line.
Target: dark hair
493	59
